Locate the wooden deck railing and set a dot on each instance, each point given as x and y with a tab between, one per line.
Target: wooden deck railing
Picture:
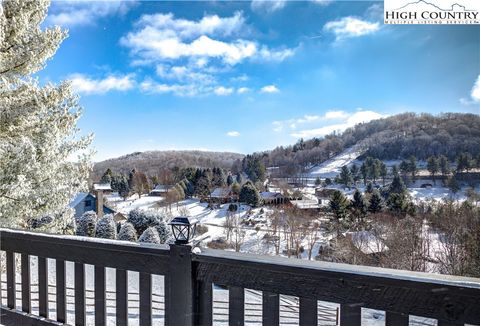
188	279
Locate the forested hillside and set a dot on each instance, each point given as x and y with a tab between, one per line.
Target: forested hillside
151	162
395	137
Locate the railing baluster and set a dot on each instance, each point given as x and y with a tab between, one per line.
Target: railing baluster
236	302
79	294
350	315
167	300
61	292
145	299
271	307
121	300
10	279
204	302
42	287
308	312
100	307
394	319
26	305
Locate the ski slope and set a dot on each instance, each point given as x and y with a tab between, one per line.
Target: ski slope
331	167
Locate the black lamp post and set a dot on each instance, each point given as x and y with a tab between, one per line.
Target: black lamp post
183	229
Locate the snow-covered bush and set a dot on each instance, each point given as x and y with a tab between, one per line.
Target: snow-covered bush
150	235
163	230
127	232
37	223
141	220
106	227
85	224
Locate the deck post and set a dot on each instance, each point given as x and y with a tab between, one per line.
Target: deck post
180	286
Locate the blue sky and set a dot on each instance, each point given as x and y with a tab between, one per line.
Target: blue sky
248	76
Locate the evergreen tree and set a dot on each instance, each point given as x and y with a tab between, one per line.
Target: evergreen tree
218	177
376	202
229	180
318	182
369	188
163	230
404	167
397	203
85	224
364	172
444	166
354	171
150	235
107	177
239	178
38	133
397	186
127	232
464	162
328	181
358	205
249	195
254	168
106	227
383	172
453	185
203	185
345	176
394	170
338	205
432	166
375	167
412	166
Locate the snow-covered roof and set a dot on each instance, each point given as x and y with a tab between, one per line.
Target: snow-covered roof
78	199
162	188
220	192
366	242
102	186
305	203
270	195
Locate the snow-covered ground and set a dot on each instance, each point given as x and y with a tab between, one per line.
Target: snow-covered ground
331	167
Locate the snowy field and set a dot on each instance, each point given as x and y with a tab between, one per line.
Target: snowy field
332	167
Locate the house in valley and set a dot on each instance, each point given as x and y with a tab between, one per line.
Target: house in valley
160	190
222	195
84	202
272	198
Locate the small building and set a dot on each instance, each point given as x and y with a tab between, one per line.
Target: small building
84	202
272	198
222	195
160	190
306	204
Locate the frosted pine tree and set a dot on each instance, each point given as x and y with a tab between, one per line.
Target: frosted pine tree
150	235
127	232
38	134
85	224
106	227
163	230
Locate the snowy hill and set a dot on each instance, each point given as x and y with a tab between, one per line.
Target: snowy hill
331	167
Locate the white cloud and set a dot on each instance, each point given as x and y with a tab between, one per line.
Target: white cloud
475	94
86	85
150	86
269	89
348	121
243	90
336	115
351	27
309	119
223	91
84	12
162	37
267	6
233	134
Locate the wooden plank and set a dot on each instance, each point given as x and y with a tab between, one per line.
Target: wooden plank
396	319
350	315
26	303
308	312
100	293
10	257
271	308
11	317
145	299
89	251
80	315
411	293
42	287
236	306
61	291
121	300
204	304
